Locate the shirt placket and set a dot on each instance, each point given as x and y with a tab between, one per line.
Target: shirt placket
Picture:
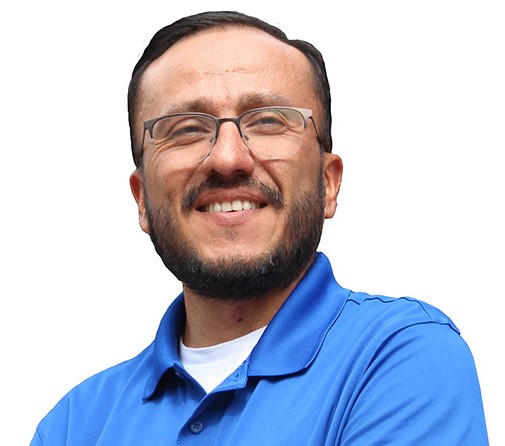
206	420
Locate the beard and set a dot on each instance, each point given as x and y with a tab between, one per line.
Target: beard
235	277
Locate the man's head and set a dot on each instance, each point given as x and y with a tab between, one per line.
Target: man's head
243	217
187	26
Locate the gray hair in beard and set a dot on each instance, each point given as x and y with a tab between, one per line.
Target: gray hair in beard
234	277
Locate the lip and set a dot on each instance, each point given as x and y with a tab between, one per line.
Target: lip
223	219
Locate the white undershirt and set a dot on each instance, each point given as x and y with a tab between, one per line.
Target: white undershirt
210	366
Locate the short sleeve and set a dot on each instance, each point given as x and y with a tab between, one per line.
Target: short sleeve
421	388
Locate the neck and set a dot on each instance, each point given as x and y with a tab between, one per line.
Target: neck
213	321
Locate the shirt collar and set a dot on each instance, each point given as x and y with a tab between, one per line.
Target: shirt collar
293	337
165	353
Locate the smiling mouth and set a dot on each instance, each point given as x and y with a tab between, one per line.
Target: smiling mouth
231	206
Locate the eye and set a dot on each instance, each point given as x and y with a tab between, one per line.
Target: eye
181	130
186	130
265	122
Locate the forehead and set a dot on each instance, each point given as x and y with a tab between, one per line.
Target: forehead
222	66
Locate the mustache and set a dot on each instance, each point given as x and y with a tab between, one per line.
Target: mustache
274	195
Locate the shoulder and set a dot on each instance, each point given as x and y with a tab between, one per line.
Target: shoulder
373	330
406	360
88	402
112	380
389	314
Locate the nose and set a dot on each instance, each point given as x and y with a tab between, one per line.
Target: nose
229	156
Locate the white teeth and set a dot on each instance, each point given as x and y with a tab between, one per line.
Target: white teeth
229	206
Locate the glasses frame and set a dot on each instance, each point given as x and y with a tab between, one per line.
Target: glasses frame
306	114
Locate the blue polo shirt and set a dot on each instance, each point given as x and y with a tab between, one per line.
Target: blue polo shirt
333	367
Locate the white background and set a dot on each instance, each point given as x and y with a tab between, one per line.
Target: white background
419	116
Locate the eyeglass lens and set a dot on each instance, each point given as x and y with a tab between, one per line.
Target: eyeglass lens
269	133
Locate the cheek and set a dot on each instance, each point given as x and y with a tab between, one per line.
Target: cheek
299	175
164	183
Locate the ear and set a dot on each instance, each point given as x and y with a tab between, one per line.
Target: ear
332	172
137	188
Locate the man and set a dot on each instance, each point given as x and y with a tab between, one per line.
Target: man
230	130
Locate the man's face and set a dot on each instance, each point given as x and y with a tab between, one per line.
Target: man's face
278	206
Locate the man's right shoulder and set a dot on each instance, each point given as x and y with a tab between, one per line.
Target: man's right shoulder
91	400
112	380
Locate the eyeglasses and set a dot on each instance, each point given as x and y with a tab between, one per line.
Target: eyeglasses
269	132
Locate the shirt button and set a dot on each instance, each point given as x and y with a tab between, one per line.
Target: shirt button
196	427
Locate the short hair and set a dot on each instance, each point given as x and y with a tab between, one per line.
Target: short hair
190	25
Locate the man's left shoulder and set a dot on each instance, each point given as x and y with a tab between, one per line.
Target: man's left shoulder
396	312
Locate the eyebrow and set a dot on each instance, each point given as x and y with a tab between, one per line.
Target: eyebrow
254	100
246	102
